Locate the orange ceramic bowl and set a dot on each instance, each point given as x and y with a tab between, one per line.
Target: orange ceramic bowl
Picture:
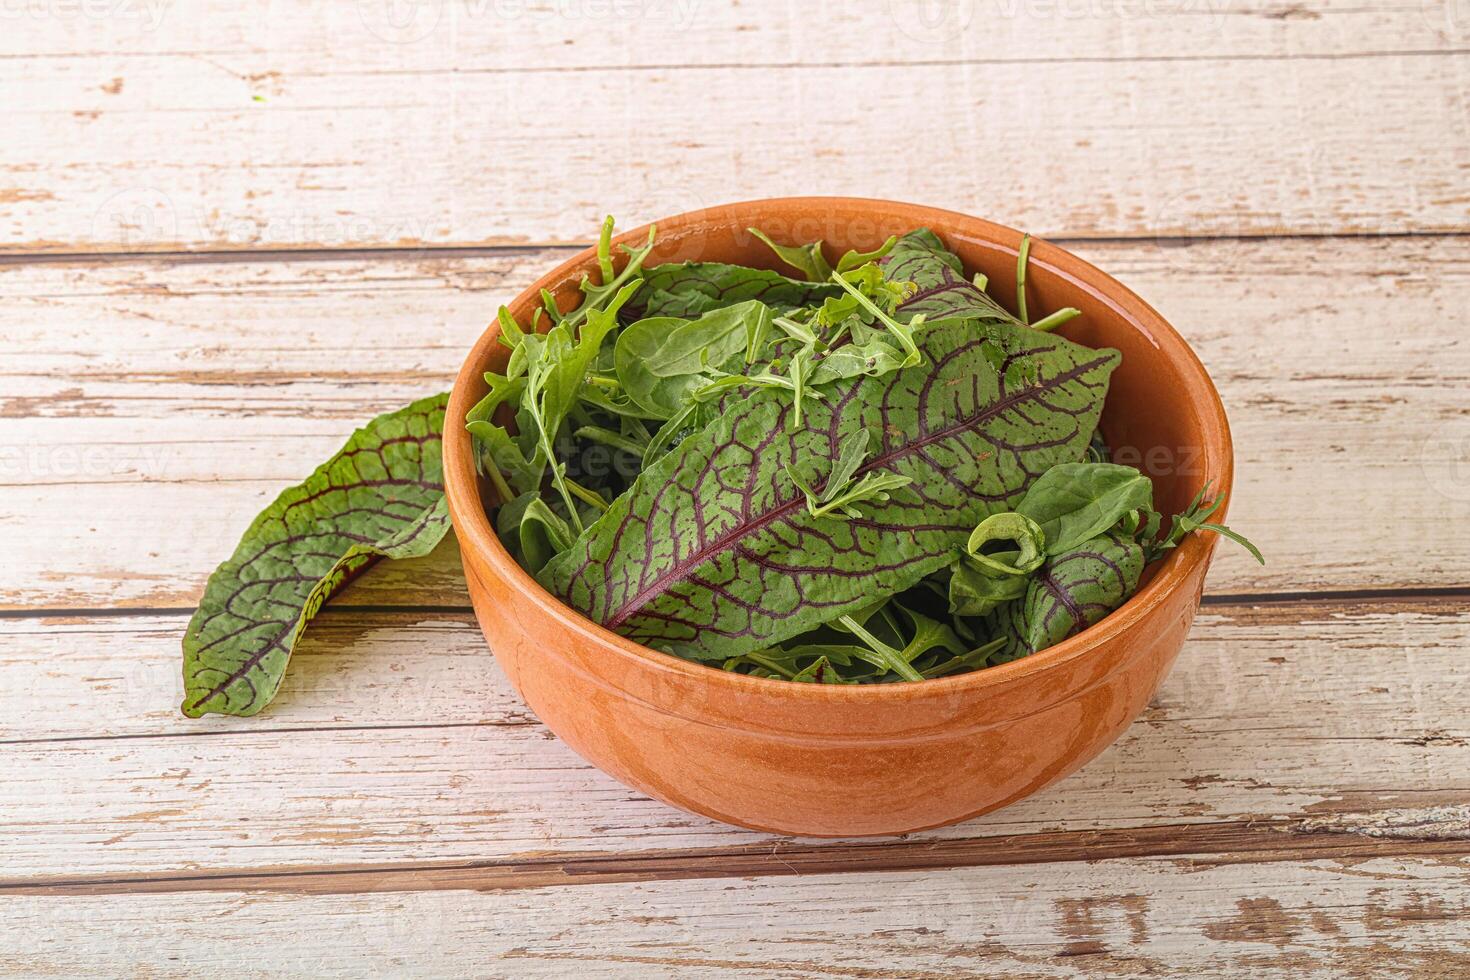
826	760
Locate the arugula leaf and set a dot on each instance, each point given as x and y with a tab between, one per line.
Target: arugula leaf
812	264
1070	592
903	333
853	259
380	496
841	494
708	555
1073	502
607	293
556	366
1194	518
806	259
880	654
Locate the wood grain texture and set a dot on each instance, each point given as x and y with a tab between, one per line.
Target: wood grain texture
167	402
527	37
1293	802
396	739
282	142
1384	916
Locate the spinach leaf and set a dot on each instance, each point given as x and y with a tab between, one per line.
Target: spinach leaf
532	532
661	361
975	591
1073	502
712	553
380	496
1070	592
694	288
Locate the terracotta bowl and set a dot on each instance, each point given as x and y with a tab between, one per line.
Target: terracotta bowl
881	759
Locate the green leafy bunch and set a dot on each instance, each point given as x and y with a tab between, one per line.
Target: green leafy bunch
863	469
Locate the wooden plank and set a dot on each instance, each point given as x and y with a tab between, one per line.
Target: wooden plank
484	35
397	739
1381	916
169	401
266	149
1258	841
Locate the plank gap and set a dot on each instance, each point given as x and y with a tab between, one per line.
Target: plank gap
1390	599
1202	845
521	246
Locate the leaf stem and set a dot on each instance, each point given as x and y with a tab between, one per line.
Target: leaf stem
1022	258
892	659
607	437
904	334
771	665
1054	320
497	479
590	497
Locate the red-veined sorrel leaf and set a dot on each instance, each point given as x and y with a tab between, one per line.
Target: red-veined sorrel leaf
380	496
714	553
1070	592
941	290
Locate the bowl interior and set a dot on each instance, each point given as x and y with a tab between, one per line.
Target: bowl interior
1162	413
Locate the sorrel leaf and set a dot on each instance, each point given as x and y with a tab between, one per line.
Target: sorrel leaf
712	553
690	289
943	291
1070	592
380	496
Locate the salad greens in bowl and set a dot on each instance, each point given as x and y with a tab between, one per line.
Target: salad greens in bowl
815	515
849	472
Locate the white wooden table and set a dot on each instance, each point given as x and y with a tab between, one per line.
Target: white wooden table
231	232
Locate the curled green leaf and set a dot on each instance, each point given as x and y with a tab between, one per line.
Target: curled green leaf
1018	528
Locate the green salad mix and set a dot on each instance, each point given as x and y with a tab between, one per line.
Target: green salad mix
866	471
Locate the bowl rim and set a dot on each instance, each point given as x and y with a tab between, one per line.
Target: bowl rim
472	527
